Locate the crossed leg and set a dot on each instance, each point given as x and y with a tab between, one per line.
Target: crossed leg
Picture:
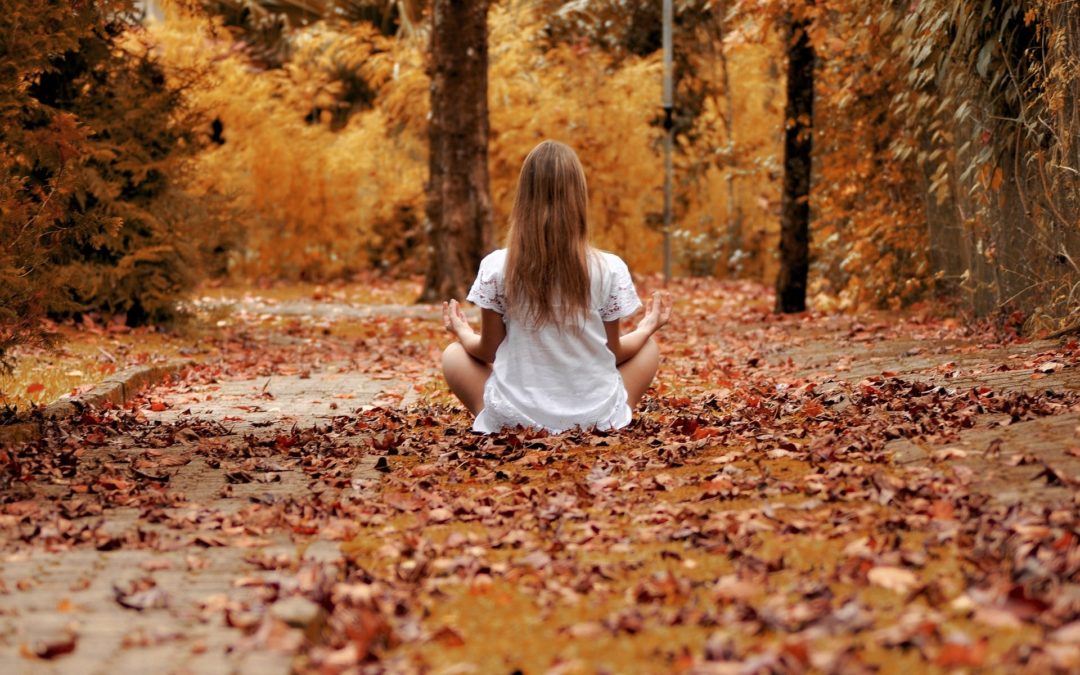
467	376
638	372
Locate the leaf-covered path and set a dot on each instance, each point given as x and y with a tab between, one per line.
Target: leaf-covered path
798	493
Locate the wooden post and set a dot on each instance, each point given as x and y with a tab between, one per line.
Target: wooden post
669	134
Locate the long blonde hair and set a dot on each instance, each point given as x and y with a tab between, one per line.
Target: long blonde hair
547	262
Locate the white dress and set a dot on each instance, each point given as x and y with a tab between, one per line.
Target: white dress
544	378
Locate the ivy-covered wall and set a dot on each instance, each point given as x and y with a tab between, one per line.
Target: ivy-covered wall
949	157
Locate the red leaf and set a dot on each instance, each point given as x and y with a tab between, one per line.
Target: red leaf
449	637
953	655
942	510
813	408
704	432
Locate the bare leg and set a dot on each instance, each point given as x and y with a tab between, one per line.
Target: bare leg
639	371
466	376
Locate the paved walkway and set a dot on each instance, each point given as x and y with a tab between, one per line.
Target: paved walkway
1030	461
216	589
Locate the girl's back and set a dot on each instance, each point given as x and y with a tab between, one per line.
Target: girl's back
556	375
550	354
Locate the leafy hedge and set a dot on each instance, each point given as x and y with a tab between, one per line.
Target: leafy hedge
93	148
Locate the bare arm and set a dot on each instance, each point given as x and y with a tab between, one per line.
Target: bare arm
626	347
483	345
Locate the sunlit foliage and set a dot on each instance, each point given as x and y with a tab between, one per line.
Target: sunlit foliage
315	196
327	183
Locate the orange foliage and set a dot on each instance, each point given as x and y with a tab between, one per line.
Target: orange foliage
912	183
317	201
869	230
313	203
568	94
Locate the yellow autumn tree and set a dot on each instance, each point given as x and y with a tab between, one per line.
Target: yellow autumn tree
315	197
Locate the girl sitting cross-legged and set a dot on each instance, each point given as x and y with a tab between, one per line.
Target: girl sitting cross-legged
549	354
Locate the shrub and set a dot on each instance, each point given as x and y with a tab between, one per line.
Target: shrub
92	161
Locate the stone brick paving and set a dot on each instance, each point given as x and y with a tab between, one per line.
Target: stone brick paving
1036	461
69	599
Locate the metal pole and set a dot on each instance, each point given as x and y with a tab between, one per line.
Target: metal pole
669	134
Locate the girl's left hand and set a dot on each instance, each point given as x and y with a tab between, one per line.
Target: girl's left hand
454	320
657	314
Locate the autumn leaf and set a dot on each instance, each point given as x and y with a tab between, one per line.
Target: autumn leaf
957	655
1050	367
52	648
895	579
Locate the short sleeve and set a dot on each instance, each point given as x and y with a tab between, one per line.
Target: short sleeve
622	300
487	290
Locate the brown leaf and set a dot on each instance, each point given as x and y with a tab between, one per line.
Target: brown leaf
896	579
52	647
536	560
440	515
142	595
403	501
1070	632
448	637
1050	367
730	587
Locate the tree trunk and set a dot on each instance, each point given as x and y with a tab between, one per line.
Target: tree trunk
459	198
798	144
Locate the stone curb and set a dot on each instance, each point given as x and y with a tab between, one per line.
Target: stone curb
118	389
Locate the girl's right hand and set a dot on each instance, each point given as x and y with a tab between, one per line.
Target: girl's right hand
658	313
454	320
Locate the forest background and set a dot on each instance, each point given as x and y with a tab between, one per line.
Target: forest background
146	146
